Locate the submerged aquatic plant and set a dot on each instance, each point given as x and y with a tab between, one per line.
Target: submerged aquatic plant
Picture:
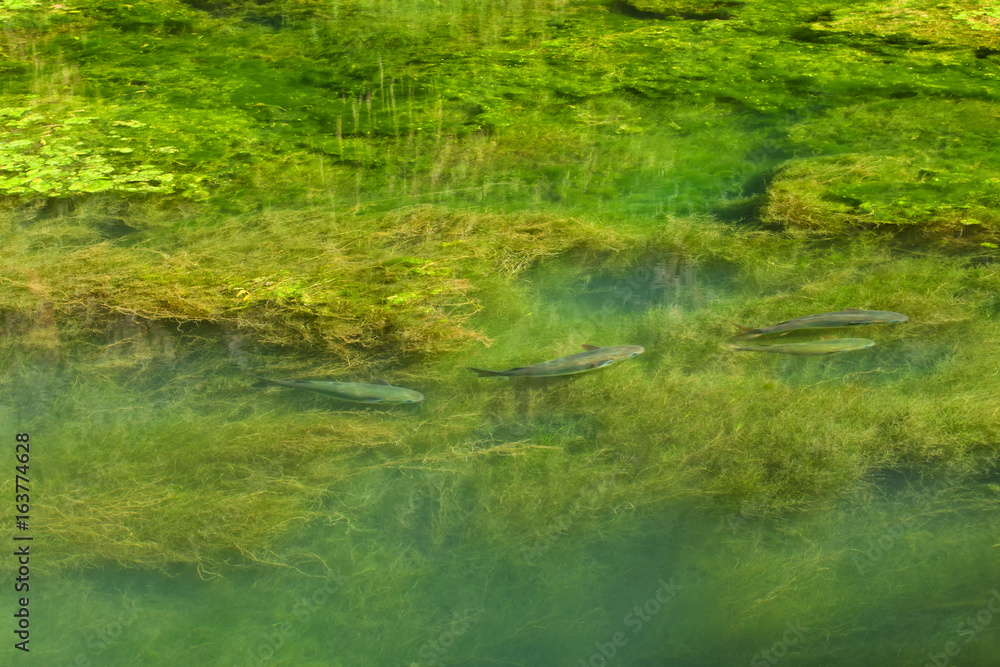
402	282
926	170
339	189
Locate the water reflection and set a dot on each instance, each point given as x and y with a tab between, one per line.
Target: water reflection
667	280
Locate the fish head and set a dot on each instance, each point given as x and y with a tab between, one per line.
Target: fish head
631	351
876	316
619	353
410	396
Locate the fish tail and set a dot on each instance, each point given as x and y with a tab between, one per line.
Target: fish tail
747	332
482	372
730	346
263	382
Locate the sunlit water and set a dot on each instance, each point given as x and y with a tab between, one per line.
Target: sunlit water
388	571
392	555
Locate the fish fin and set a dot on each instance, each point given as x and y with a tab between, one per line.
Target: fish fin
747	332
591	347
482	372
263	382
729	346
381	381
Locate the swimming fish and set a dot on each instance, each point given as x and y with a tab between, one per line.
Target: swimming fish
809	347
850	317
595	357
355	392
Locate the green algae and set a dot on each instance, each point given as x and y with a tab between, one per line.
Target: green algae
923	169
345	190
563	104
402	283
685	418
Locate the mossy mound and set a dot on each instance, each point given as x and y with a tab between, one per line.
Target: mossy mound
915	166
953	22
405	282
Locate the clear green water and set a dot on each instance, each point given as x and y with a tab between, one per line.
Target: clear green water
690	506
432	559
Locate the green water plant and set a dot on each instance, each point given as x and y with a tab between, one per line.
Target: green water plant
363	188
45	157
924	169
404	283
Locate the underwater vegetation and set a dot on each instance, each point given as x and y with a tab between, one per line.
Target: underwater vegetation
920	173
193	192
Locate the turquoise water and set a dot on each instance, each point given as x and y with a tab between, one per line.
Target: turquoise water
658	592
690	506
396	565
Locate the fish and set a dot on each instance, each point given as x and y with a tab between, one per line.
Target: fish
595	357
849	317
812	347
356	392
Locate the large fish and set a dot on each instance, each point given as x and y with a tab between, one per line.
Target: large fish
851	317
807	348
594	357
355	392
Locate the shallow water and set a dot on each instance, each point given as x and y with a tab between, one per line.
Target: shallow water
408	558
689	506
679	585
